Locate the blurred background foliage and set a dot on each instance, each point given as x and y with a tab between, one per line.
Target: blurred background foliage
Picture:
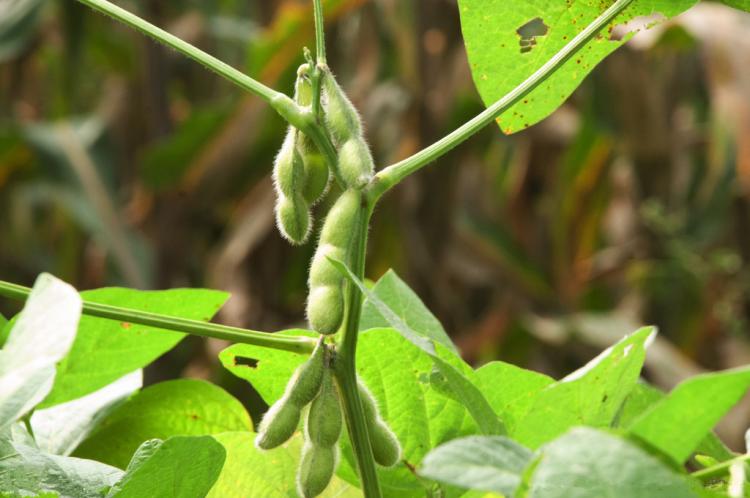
121	163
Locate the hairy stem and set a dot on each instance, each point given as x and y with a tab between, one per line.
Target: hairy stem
300	345
720	469
346	367
394	174
320	38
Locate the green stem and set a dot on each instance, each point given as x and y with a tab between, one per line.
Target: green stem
320	39
300	345
719	470
392	175
346	367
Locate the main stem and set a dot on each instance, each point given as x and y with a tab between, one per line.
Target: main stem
300	345
393	175
346	367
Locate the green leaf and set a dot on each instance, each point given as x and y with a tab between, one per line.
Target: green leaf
394	293
400	376
180	467
106	350
250	472
738	4
60	429
23	467
587	463
39	339
678	423
456	380
590	396
510	390
179	407
489	463
508	41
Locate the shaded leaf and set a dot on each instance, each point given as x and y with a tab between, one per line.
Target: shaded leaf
587	463
105	350
178	407
490	463
180	467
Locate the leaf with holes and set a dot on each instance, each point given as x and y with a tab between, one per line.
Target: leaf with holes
178	407
105	350
508	41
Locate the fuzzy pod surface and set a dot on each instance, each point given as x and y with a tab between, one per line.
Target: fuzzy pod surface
316	467
386	448
355	162
278	424
342	118
324	420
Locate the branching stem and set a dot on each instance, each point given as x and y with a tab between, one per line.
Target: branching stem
394	174
300	345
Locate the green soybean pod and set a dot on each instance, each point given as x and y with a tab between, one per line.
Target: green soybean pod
305	383
303	92
342	219
386	450
325	309
316	468
322	272
324	420
278	424
293	218
289	167
342	118
317	175
355	162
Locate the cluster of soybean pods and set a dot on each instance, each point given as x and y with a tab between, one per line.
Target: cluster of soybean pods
301	176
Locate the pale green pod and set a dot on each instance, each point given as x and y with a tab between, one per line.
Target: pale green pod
355	163
322	271
289	167
386	449
293	218
316	468
305	384
342	118
317	176
325	309
324	420
341	222
278	424
303	87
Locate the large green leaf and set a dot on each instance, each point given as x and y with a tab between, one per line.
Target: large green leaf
25	468
61	428
179	407
510	390
405	303
679	422
508	41
105	350
490	463
180	467
40	338
250	472
587	463
590	396
400	376
454	379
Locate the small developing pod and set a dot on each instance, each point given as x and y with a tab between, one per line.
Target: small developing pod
355	163
316	468
386	449
342	118
282	419
326	303
292	209
324	420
